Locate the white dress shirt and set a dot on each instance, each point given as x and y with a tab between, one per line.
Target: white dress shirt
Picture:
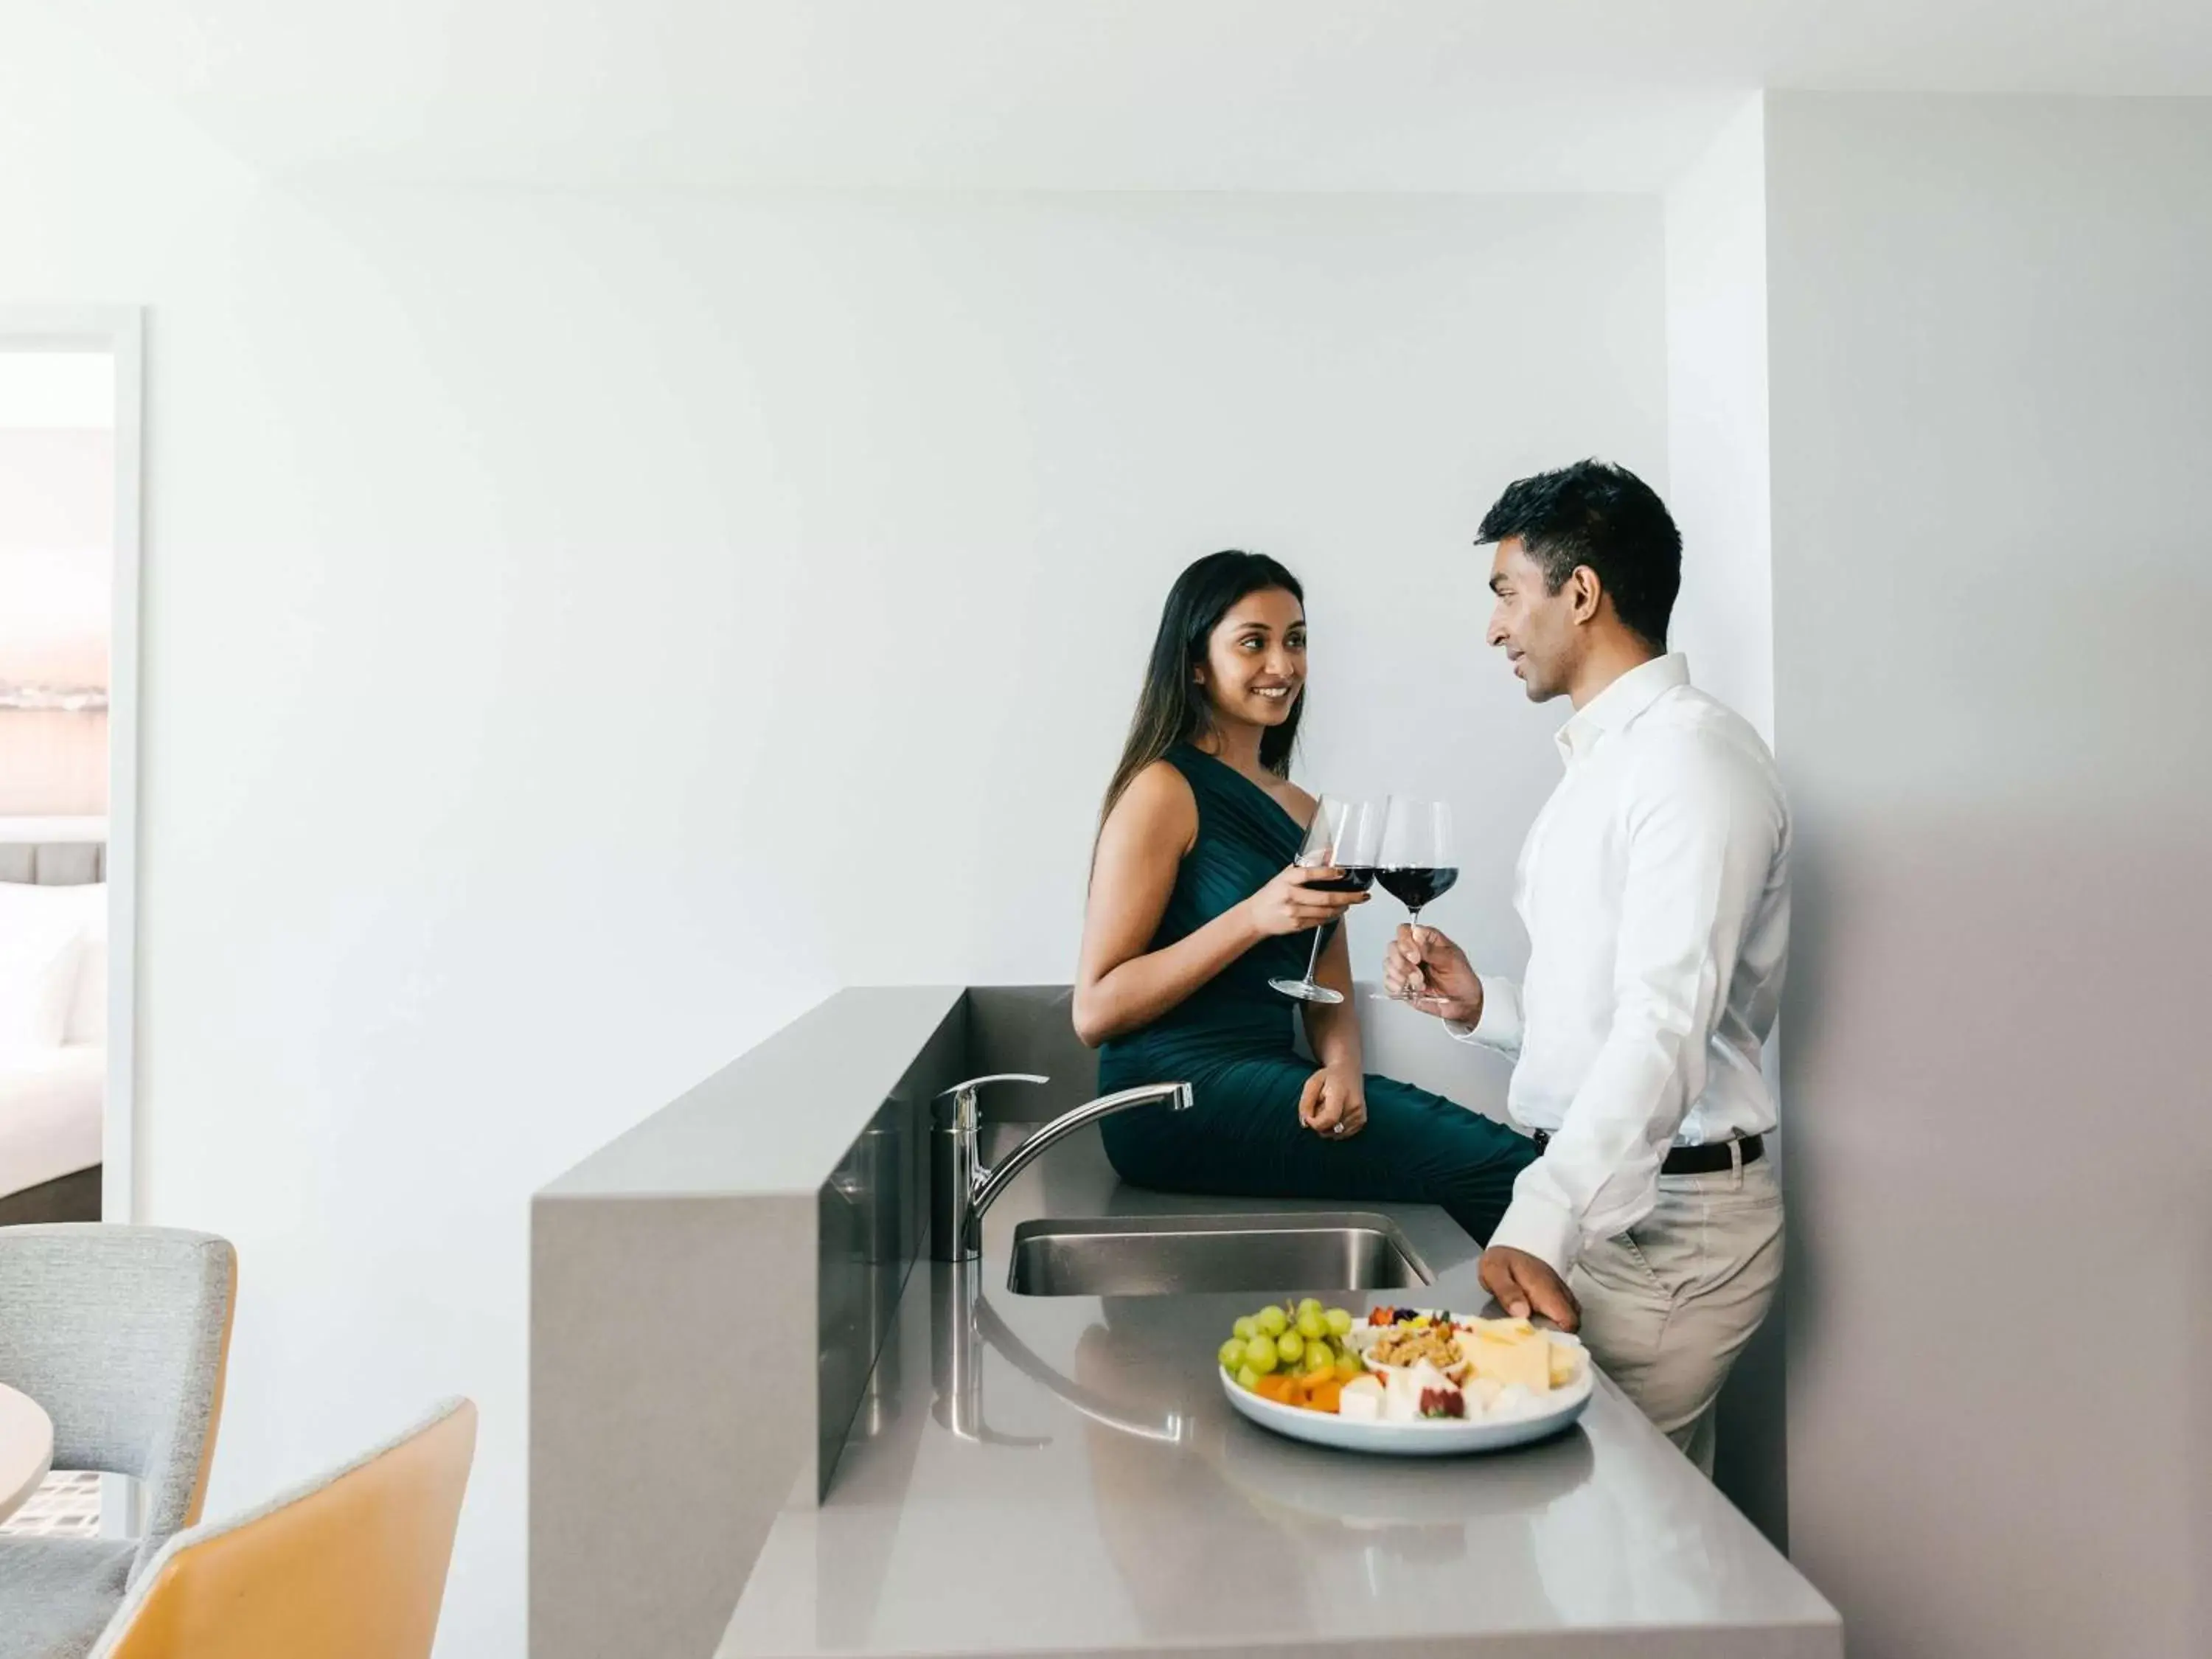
1655	886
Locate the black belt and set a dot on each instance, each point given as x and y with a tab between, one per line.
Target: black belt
1695	1160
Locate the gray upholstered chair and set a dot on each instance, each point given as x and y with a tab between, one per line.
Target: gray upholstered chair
120	1334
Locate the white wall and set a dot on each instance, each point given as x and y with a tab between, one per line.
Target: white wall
1992	351
1716	443
582	631
1717	452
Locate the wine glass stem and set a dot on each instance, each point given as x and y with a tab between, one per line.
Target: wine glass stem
1313	957
1413	920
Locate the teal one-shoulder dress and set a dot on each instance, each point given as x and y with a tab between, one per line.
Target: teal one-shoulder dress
1232	1039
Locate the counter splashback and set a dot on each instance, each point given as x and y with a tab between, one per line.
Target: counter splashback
784	1193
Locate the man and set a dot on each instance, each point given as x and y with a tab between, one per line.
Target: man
1655	888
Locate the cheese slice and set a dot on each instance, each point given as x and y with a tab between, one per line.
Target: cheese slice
1361	1400
1510	1351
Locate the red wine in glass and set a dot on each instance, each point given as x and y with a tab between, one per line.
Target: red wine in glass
1415	888
1351	881
1416	866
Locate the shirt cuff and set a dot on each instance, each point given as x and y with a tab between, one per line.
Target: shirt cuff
1499	1025
1543	1227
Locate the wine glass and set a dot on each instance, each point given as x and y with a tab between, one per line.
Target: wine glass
1347	833
1417	865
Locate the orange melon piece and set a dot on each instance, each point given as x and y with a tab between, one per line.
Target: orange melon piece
1326	1395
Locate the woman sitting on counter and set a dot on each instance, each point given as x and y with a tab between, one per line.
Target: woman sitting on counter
1196	902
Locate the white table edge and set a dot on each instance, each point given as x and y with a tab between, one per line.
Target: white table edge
20	1413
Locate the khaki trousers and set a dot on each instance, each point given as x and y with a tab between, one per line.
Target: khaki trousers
1669	1305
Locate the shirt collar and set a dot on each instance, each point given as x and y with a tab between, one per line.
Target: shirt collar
1616	707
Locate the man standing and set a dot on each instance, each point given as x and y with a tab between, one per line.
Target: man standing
1655	888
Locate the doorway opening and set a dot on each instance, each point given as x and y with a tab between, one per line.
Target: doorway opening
69	647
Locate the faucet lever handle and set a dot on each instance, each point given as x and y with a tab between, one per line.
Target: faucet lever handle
963	1095
976	1083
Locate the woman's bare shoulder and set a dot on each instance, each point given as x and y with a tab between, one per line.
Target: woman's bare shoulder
1158	802
1298	804
1160	787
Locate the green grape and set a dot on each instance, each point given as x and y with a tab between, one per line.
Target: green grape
1319	1359
1291	1346
1232	1354
1339	1321
1271	1320
1348	1366
1259	1354
1247	1379
1246	1328
1311	1326
1311	1304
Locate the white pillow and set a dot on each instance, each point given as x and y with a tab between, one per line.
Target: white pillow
41	942
88	1014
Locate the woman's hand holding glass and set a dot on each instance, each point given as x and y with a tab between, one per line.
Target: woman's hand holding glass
1293	904
1424	968
1338	855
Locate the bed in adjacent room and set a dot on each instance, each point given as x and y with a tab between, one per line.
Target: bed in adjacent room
53	1037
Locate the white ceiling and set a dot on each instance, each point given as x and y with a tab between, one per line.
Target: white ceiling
1260	94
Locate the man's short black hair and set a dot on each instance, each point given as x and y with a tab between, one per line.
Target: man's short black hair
1604	516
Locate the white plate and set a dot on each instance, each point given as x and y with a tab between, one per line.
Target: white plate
1434	1437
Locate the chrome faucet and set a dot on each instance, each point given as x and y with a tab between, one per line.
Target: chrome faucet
961	1188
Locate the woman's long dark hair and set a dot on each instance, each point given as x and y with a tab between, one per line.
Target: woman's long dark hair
1174	707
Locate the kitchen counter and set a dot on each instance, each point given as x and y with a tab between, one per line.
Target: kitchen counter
1069	1480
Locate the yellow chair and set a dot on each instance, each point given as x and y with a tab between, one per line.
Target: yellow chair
352	1566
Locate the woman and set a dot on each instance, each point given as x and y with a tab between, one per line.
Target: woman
1195	904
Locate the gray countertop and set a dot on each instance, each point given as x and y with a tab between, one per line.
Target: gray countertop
777	1119
1091	1492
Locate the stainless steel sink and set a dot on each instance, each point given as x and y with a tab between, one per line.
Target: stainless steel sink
1187	1254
